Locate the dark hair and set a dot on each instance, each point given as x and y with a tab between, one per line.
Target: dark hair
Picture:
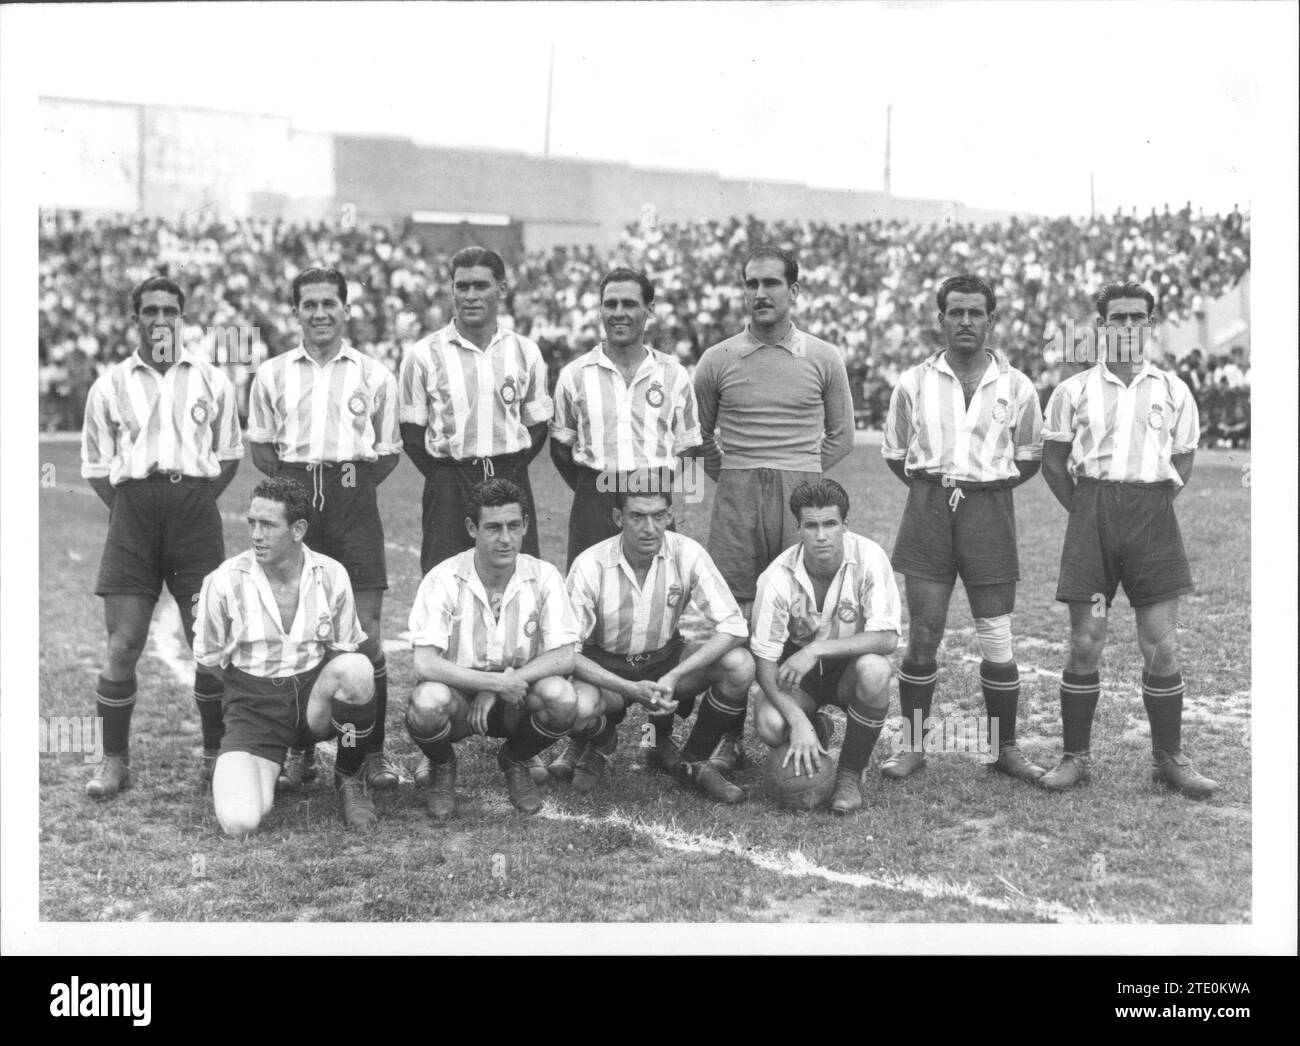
319	276
494	493
825	493
626	275
156	283
289	493
965	284
783	256
1125	290
470	257
648	483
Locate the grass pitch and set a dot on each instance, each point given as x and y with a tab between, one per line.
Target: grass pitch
956	844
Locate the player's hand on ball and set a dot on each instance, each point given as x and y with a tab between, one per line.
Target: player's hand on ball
513	688
478	711
791	672
805	749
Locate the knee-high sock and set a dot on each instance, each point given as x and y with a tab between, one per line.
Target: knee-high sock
375	742
114	703
916	682
860	735
529	738
435	745
353	724
718	715
208	692
1163	698
1001	686
1079	694
663	723
600	733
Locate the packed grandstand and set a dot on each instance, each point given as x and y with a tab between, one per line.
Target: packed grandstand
868	288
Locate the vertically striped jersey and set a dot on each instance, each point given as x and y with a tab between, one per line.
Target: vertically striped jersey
624	617
616	426
1124	433
343	411
238	623
931	429
862	597
139	421
452	614
473	402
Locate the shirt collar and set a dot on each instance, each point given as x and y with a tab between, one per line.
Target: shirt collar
1145	371
310	561
598	357
800	571
182	357
792	342
452	334
1000	366
346	352
525	571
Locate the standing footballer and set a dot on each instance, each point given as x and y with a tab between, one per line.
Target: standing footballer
963	429
619	409
160	444
775	412
473	406
629	592
1120	440
326	415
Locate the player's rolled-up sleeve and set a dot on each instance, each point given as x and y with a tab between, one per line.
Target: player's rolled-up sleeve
880	601
388	434
686	416
348	634
98	439
583	590
713	598
537	405
261	413
1058	423
213	634
559	624
226	437
431	617
771	618
898	424
1185	433
412	386
1028	438
564	420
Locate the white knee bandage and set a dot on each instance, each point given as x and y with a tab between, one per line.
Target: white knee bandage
994	635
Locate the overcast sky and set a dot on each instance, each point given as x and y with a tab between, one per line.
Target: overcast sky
994	104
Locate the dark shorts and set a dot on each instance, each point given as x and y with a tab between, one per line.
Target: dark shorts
161	532
752	524
822	684
591	517
652	664
446	495
262	715
975	541
348	527
1123	534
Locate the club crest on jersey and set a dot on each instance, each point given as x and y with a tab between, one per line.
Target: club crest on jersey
357	403
674	595
1156	417
201	412
846	611
323	627
531	625
509	393
655	395
1001	411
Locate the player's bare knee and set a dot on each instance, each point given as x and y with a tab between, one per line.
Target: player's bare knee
125	649
238	817
430	707
356	679
873	674
559	702
923	642
737	671
589	705
770	725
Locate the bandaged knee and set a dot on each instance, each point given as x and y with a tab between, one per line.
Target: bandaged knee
994	635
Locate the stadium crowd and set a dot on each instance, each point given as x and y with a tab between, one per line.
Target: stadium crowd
868	288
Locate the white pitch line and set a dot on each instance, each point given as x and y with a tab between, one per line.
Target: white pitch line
794	864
